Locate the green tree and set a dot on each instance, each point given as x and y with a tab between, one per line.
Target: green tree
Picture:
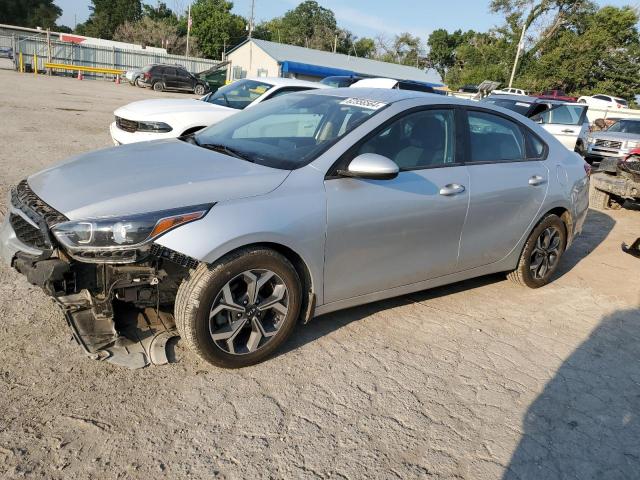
216	27
365	47
442	49
405	49
159	12
29	13
307	25
107	15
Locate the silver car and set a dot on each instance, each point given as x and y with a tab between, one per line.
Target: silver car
303	205
616	141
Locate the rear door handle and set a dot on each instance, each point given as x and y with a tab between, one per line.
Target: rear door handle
536	180
568	130
451	189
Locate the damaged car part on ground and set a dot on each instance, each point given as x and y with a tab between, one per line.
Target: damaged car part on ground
304	205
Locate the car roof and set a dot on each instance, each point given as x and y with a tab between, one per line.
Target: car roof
288	82
392	95
527	98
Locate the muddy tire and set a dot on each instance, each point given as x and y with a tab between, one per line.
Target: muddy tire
158	87
240	310
599	199
541	254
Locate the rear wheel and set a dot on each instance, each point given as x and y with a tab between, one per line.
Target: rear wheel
599	199
238	312
541	254
158	86
199	89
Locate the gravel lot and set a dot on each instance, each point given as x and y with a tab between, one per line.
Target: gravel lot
479	380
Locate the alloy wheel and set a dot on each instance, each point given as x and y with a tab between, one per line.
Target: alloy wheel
248	312
546	253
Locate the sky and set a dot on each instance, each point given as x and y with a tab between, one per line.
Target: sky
363	17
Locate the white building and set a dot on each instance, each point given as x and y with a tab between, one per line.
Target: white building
261	58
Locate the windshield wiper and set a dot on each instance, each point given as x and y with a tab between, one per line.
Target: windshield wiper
224	149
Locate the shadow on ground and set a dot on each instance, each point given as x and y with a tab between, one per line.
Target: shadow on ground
586	423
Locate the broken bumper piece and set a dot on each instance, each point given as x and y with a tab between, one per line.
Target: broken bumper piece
142	337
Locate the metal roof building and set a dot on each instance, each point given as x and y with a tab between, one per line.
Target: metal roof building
261	58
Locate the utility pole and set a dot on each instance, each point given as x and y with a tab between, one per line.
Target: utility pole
188	30
335	43
518	51
251	19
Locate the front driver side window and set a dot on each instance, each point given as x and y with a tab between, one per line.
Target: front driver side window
419	140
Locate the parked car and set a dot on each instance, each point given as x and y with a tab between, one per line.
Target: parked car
133	76
6	52
617	180
396	84
171	77
297	207
510	91
556	95
169	118
604	101
469	89
340	81
214	77
616	141
566	121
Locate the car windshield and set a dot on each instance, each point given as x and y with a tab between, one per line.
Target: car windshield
517	106
625	126
290	131
239	94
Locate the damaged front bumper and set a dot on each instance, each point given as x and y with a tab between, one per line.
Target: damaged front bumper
118	313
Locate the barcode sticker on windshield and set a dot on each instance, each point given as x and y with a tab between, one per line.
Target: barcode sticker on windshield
520	104
364	103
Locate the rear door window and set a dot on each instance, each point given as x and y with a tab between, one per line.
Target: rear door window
494	138
562	115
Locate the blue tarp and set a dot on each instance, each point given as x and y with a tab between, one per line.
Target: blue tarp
313	70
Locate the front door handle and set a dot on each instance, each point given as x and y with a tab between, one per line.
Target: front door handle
536	180
568	130
451	189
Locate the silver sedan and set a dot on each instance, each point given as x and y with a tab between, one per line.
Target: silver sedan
306	204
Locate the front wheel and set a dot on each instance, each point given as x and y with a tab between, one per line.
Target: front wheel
158	87
199	90
239	311
541	254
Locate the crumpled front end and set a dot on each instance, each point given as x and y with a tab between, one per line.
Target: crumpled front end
121	313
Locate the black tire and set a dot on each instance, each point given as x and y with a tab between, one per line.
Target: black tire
199	89
599	199
136	82
523	274
158	86
197	294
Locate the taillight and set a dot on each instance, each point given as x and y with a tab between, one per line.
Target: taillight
587	169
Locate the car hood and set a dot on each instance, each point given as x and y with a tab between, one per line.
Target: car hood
615	136
147	109
147	177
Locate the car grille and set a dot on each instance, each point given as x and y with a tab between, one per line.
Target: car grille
27	233
23	199
126	125
608	144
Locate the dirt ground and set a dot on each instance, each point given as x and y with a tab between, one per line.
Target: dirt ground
478	380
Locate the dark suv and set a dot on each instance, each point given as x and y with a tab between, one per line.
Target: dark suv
172	77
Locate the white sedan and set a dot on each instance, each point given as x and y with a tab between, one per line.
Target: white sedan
169	118
604	101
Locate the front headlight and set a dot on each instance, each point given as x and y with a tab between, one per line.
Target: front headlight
127	233
154	127
591	140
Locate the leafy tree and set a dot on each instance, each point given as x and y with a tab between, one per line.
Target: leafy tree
365	47
216	27
405	49
29	13
160	12
442	48
107	15
307	25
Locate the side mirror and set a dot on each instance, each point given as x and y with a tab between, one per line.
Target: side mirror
538	119
371	166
